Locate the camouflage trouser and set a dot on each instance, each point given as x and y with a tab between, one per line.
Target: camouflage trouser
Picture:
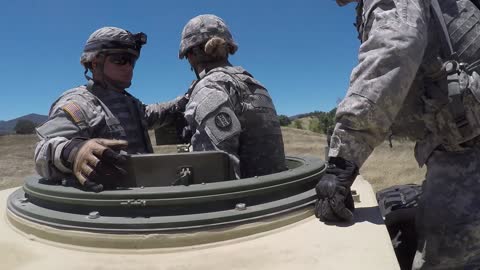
448	220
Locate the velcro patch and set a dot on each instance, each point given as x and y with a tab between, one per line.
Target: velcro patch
74	111
223	120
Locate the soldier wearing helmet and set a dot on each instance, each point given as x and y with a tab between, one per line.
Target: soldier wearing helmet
417	77
229	110
88	124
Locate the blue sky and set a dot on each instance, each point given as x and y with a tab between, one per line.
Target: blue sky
302	51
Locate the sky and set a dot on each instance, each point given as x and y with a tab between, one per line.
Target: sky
302	51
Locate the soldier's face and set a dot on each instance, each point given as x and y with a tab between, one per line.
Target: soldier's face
344	2
119	68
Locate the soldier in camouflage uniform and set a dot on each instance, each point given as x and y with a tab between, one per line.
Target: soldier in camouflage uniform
87	123
404	85
228	109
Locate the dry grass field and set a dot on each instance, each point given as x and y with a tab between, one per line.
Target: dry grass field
387	166
16	159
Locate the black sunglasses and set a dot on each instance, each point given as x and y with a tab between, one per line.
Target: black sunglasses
122	59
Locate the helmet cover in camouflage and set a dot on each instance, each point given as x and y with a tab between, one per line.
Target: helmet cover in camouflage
112	39
202	28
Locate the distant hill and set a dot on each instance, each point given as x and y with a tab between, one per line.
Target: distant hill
6	127
320	122
313	114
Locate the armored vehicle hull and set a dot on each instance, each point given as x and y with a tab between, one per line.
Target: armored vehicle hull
264	222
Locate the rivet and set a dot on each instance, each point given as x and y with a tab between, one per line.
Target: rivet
240	206
23	200
93	215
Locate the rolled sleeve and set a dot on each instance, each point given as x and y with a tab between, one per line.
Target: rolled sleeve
53	135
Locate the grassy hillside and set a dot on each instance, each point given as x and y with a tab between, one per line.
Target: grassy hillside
303	122
386	167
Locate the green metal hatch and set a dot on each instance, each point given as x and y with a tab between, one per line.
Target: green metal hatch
202	204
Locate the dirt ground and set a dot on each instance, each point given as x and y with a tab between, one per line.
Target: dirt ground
385	167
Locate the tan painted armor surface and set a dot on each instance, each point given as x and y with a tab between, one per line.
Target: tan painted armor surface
303	244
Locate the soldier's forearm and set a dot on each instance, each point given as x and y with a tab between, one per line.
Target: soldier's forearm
231	148
359	129
160	114
350	145
48	161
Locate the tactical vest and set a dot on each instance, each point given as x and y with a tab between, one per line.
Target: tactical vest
261	143
112	128
445	95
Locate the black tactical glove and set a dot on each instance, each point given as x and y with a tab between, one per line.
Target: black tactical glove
335	202
94	162
178	105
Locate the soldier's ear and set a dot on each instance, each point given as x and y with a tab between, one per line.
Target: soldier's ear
93	64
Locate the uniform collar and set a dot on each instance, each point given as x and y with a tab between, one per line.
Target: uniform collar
99	90
213	67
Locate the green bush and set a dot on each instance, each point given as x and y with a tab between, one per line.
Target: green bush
284	120
24	126
297	124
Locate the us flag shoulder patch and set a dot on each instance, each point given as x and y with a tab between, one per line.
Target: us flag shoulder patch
74	111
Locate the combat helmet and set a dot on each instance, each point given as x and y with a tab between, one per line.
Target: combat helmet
112	40
202	28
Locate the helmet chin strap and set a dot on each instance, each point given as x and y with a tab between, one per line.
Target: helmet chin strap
195	70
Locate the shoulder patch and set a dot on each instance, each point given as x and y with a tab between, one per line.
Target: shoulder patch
223	120
74	111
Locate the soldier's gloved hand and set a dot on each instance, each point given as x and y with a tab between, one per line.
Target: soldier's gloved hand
96	163
335	202
180	103
173	107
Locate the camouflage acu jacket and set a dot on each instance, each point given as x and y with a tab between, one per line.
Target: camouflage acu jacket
398	85
94	112
231	111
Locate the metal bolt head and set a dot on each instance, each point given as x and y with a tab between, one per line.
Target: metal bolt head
93	215
23	200
240	206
